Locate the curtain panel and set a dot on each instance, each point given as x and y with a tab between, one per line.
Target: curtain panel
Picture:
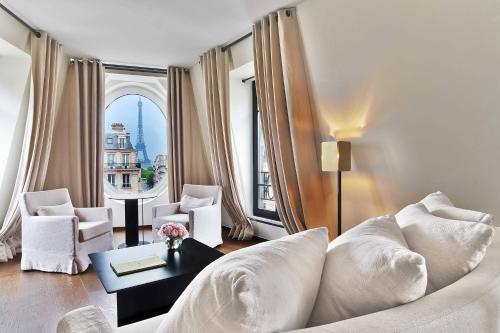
46	60
215	66
287	120
76	160
187	161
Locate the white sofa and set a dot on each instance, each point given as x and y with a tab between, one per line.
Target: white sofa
472	304
62	243
203	223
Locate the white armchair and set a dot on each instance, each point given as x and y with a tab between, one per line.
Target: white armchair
203	224
62	243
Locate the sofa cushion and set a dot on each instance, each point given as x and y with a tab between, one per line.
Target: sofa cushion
269	287
65	209
439	205
367	269
89	230
451	248
188	202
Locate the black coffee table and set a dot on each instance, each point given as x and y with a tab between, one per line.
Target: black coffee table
153	292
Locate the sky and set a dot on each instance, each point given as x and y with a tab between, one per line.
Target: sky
124	110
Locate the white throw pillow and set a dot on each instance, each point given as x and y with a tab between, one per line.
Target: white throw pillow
451	248
439	205
269	287
368	269
188	202
65	209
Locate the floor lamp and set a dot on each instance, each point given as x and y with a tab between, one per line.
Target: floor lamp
336	157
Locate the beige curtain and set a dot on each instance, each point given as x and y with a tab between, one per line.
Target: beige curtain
187	161
287	120
215	65
45	71
77	153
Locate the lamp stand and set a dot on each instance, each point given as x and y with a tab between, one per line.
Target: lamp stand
339	202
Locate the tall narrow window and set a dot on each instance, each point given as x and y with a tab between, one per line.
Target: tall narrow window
111	178
263	196
126	160
110	160
126	180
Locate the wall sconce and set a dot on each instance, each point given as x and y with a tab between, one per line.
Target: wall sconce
336	157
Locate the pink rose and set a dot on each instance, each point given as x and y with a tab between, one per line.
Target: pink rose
173	230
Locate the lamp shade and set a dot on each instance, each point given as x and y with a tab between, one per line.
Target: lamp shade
336	156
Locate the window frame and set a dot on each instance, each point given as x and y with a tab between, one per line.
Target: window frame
255	171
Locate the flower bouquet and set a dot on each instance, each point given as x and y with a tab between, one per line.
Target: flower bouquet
173	233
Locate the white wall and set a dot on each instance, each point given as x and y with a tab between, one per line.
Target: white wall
15	63
240	109
416	87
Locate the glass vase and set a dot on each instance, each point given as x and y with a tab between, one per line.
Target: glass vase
173	243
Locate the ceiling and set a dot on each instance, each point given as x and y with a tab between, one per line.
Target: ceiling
145	32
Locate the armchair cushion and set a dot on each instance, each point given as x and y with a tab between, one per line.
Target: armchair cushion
166	209
66	209
188	202
89	230
94	214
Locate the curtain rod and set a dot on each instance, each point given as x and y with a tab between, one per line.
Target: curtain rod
35	31
248	78
225	47
153	70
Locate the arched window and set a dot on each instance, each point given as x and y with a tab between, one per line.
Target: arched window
135	145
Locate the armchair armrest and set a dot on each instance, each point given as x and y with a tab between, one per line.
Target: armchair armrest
94	214
57	234
204	220
166	209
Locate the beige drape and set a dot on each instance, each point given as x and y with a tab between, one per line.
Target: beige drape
287	120
45	71
77	153
215	65
187	161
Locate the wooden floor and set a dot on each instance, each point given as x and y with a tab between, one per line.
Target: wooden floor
35	301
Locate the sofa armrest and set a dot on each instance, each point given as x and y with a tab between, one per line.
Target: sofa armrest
94	214
89	319
57	234
166	209
204	220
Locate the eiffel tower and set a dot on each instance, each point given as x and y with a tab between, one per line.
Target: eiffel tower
140	145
